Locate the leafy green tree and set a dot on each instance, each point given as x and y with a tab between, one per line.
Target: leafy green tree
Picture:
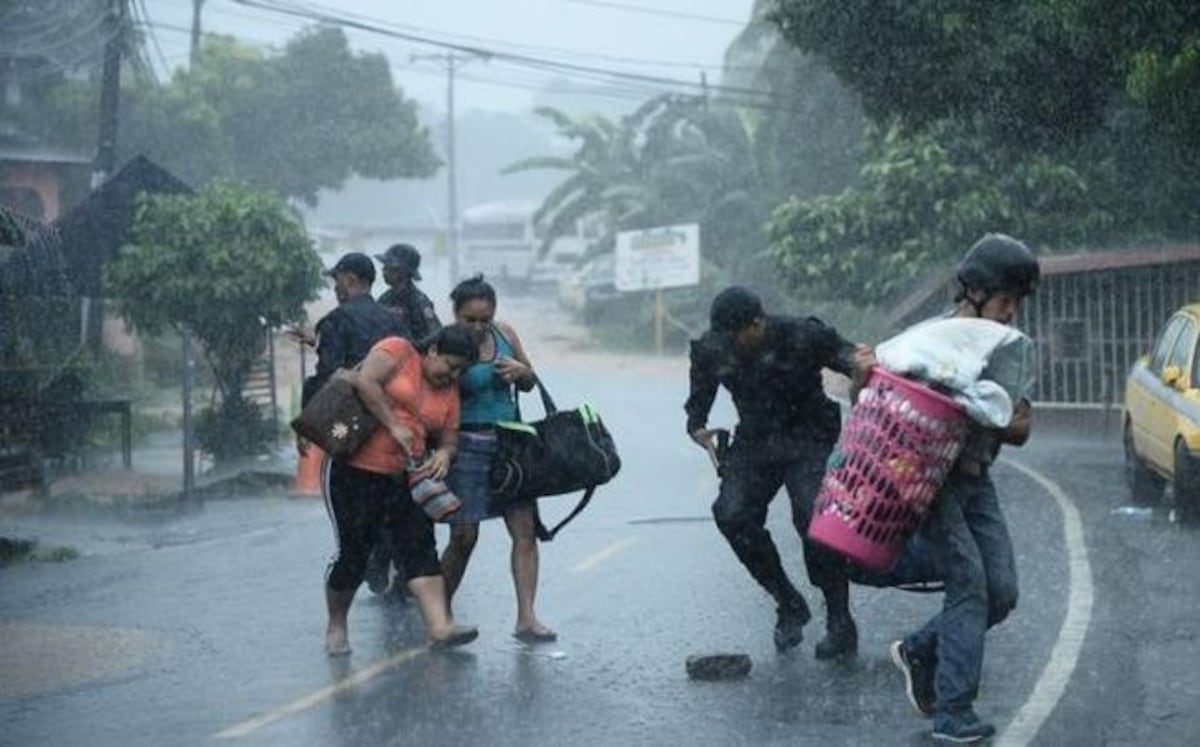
218	263
295	121
921	199
809	133
1020	69
1071	122
673	160
602	179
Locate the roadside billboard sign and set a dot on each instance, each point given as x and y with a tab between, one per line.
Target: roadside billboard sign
657	258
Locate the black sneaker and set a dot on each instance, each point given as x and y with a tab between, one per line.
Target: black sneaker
789	626
961	728
918	679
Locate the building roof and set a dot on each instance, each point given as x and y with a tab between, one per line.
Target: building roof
96	229
1069	264
39	154
1057	264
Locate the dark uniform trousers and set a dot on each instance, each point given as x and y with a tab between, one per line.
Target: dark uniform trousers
753	471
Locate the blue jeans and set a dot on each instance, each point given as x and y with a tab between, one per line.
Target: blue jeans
970	543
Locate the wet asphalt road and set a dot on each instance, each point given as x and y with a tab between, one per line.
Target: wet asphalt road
206	627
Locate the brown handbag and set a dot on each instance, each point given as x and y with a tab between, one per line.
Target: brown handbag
335	419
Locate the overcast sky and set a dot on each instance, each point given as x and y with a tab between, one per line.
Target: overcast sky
667	38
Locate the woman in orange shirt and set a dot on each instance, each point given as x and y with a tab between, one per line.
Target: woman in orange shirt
413	395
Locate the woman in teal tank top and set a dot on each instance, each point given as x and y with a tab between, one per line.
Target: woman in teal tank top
488	396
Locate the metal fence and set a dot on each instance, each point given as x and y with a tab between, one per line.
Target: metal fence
1090	327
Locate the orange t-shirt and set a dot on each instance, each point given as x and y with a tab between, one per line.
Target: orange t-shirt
415	403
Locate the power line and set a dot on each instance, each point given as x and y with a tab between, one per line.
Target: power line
144	15
660	12
531	48
248	13
544	85
373	26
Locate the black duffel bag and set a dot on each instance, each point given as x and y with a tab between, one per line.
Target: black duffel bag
567	451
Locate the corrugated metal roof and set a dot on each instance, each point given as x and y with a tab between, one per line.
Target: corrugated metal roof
40	154
1058	264
1067	264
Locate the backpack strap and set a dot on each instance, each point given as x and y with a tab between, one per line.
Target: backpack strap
546	535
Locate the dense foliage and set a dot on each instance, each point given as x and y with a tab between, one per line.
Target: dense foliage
296	121
221	263
1071	123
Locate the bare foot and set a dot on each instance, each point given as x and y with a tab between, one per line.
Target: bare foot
336	642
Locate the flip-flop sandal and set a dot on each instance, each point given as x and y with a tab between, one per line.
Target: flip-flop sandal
460	635
532	636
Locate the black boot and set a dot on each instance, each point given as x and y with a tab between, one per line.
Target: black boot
841	637
789	626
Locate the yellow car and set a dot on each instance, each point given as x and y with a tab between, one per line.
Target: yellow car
1162	417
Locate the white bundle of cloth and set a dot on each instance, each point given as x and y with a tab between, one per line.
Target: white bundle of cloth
954	352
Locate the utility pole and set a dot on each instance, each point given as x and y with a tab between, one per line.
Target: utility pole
451	60
110	92
195	48
451	175
189	363
106	142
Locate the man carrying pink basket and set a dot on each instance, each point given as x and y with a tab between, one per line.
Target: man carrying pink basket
965	527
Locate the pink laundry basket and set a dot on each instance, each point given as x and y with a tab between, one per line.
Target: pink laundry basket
894	453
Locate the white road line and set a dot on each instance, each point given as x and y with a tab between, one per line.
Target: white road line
600	556
320	696
1052	683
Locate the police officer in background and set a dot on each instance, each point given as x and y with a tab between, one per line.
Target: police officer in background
401	268
771	366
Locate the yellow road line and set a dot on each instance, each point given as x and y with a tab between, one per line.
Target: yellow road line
600	556
320	696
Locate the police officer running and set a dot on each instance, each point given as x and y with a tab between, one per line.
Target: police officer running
966	530
771	366
401	268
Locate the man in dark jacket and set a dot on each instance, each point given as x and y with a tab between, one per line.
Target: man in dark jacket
346	334
771	366
401	268
344	337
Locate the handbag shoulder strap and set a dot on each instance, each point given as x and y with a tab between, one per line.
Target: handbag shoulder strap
546	535
548	405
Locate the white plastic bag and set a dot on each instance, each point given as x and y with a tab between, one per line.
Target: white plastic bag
953	352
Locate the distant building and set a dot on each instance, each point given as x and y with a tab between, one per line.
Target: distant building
34	179
1094	314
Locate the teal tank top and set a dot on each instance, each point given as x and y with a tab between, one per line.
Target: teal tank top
484	395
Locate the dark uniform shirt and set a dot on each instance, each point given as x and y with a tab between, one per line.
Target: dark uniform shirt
777	389
345	336
418	318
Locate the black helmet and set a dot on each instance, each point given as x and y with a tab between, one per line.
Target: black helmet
999	264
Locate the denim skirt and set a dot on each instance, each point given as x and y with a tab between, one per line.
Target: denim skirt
468	478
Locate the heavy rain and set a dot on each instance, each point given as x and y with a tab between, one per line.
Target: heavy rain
815	372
